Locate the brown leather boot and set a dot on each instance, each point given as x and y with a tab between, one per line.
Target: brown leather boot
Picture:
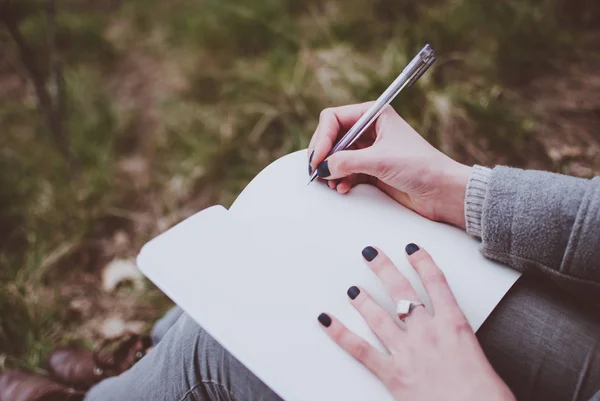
22	386
82	369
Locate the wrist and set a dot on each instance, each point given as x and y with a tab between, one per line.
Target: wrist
452	183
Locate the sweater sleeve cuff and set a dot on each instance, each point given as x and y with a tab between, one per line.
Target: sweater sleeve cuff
476	190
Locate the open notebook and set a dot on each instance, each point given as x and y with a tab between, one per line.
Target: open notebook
257	276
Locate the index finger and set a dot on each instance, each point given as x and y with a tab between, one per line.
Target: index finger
331	121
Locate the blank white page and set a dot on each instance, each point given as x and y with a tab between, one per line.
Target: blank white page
345	224
257	277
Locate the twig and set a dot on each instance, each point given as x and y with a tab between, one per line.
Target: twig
57	78
45	103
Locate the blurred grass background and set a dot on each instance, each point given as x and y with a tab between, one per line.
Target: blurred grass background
168	107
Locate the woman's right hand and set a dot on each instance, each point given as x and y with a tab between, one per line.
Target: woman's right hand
394	157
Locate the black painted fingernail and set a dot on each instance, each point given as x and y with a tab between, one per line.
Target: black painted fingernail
411	248
369	253
353	292
325	320
323	170
309	161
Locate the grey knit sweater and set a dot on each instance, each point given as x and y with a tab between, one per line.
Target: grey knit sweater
536	221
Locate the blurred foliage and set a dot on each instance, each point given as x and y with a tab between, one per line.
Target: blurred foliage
209	92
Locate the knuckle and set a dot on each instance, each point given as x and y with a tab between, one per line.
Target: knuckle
394	381
460	326
381	166
401	289
434	277
377	321
430	338
384	169
325	113
360	351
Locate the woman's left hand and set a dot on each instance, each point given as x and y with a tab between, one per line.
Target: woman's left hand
437	357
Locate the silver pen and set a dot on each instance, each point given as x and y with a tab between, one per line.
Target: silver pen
409	75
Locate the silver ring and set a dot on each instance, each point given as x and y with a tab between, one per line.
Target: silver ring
405	307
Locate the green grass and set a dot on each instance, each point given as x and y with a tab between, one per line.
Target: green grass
208	93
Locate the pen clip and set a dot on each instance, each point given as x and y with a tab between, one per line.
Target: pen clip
421	71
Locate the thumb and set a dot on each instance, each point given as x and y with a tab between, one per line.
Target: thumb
344	163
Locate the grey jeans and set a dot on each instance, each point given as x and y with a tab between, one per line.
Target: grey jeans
542	341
